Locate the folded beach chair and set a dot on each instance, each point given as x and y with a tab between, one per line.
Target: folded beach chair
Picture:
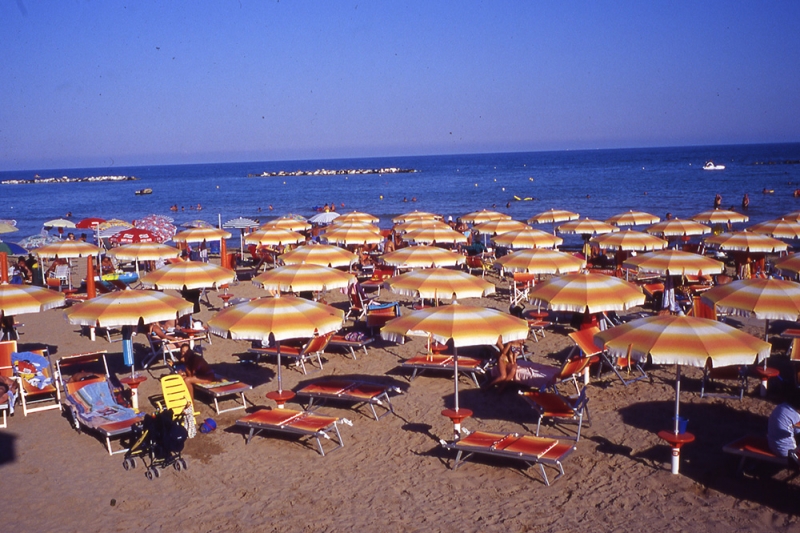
38	390
529	449
754	447
222	389
358	392
315	347
355	340
466	365
293	422
559	409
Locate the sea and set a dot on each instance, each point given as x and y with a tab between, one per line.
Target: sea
593	183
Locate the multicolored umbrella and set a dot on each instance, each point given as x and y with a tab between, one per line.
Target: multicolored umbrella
720	216
675	263
188	275
632	218
527	238
747	241
320	254
36	241
434	236
302	278
414	215
355	216
134	235
553	216
160	225
540	261
435	283
496	227
779	228
586	226
422	257
479	217
352	236
629	240
677	228
586	293
22	299
11	248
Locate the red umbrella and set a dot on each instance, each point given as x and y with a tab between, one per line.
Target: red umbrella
131	235
90	223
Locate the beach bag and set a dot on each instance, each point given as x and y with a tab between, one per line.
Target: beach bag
189	422
355	336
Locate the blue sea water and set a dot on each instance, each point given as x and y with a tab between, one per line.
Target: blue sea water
594	183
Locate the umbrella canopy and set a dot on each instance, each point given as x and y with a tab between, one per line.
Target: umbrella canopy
632	218
114	222
240	223
59	223
422	223
747	241
188	275
320	254
356	216
36	241
440	283
196	224
273	237
629	240
12	248
201	234
479	217
422	257
675	263
5	227
159	225
790	263
22	299
288	224
582	293
586	226
720	216
67	249
89	223
496	227
794	215
540	261
527	238
128	308
434	236
133	235
553	216
676	228
144	251
779	228
324	218
414	215
336	225
303	277
765	299
352	236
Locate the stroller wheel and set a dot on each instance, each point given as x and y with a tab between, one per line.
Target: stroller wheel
177	466
156	472
149	474
183	463
125	464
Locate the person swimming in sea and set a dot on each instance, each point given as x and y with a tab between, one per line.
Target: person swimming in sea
717	201
745	201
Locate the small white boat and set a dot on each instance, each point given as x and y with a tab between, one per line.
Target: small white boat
711	166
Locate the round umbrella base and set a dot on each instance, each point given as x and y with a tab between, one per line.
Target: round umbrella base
676	440
457	416
280	397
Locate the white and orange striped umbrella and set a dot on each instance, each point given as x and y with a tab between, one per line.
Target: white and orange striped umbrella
790	263
629	240
188	275
780	228
540	261
527	238
67	249
677	228
553	216
128	308
632	218
289	224
422	223
794	215
434	236
356	216
336	226
747	241
765	299
496	227
479	217
303	277
422	257
586	226
675	263
352	235
582	293
319	254
144	251
22	299
273	237
414	215
201	234
440	283
720	216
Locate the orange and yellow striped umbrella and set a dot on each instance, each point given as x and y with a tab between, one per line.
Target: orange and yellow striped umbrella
144	251
188	275
201	234
632	218
289	224
128	308
356	216
527	238
582	293
422	223
440	283
629	240
479	217
720	216
352	235
303	277
790	263
553	216
779	228
422	257
586	226
434	236
336	225
320	254
540	261
273	237
765	299
675	263
22	299
67	249
794	215
677	227
414	215
747	241
496	227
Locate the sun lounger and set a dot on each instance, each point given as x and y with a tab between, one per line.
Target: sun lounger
315	347
33	371
222	389
531	450
351	345
753	447
466	365
358	392
293	422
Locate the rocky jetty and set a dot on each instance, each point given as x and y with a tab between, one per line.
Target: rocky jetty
65	179
326	172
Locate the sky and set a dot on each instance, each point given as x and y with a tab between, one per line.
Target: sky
112	83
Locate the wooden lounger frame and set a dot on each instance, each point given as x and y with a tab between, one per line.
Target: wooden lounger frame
293	422
358	392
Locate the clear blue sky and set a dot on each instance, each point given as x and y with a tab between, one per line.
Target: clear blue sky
96	83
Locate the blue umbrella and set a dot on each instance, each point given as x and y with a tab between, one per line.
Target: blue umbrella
12	248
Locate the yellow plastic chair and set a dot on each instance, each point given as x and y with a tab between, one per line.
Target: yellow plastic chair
176	395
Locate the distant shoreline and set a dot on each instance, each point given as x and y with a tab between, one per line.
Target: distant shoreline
65	179
326	172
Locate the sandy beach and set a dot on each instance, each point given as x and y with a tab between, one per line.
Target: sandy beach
392	474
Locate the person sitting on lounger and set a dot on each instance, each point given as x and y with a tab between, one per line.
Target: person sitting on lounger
194	369
507	362
782	428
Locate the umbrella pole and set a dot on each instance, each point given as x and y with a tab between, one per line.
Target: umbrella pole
280	380
677	396
455	374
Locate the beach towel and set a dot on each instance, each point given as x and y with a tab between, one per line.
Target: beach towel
33	368
97	405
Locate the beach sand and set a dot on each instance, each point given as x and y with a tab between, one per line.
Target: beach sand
392	474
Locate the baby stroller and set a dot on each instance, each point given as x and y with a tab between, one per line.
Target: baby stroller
158	442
